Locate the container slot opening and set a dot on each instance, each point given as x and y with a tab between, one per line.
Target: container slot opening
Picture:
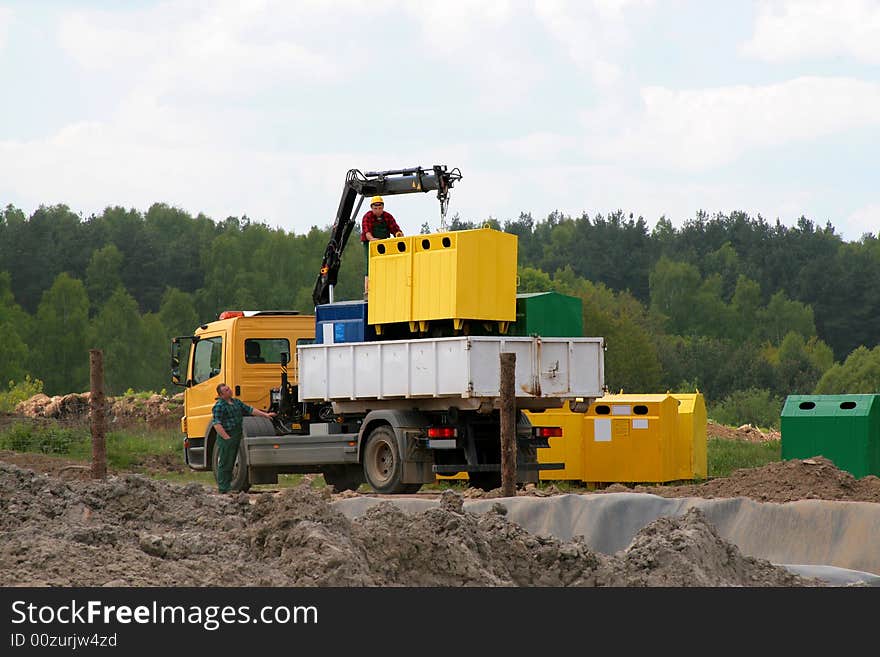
380	248
807	406
446	242
426	244
401	246
602	409
847	406
640	410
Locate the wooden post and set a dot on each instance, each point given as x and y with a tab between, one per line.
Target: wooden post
508	424
97	413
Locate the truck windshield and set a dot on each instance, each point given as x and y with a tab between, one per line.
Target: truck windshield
265	350
207	359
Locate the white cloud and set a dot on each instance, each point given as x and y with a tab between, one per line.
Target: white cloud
139	158
863	220
187	79
5	21
476	40
196	50
593	32
705	128
606	188
191	115
794	29
536	146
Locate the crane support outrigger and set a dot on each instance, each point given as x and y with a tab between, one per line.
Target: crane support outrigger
381	183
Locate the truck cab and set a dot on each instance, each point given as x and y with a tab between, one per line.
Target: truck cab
243	349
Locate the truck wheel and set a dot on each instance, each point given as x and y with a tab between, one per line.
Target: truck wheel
383	466
240	480
344	477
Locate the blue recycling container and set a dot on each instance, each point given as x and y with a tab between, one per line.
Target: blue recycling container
345	321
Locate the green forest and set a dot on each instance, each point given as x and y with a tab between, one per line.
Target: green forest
745	310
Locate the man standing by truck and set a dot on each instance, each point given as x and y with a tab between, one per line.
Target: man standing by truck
228	415
376	225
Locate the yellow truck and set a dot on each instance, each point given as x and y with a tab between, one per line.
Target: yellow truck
393	413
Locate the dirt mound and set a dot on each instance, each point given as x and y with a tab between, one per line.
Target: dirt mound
687	551
747	432
784	481
123	409
61	407
131	530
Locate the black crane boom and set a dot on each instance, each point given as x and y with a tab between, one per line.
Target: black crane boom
375	183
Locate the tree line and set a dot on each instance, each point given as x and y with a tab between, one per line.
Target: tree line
731	304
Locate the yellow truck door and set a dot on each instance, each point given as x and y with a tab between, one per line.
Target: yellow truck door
208	369
255	354
257	364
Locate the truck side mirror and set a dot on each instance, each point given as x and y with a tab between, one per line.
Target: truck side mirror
175	362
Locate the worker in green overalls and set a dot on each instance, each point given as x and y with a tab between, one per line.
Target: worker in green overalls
376	225
228	414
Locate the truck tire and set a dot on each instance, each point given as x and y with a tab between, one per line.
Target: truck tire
383	465
344	477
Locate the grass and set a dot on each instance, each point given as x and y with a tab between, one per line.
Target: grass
125	447
725	456
128	448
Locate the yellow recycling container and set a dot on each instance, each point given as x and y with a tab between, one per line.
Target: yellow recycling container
632	438
567	448
464	275
461	476
692	429
390	281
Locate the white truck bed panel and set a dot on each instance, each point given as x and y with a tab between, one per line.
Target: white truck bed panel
463	367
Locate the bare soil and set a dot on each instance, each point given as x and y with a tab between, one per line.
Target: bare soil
56	466
131	530
784	481
69	469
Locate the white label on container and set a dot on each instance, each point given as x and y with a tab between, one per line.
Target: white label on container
621	410
601	430
640	424
328	333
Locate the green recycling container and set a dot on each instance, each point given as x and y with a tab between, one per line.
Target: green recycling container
548	314
842	428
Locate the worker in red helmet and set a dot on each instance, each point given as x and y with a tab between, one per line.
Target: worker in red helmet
377	224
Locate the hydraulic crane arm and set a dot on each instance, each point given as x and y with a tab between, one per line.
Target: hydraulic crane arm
381	183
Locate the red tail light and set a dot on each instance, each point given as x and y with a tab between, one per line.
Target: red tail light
442	432
548	432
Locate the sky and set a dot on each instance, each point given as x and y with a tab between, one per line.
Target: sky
257	107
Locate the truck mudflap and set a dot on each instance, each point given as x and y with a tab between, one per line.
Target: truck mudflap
447	469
